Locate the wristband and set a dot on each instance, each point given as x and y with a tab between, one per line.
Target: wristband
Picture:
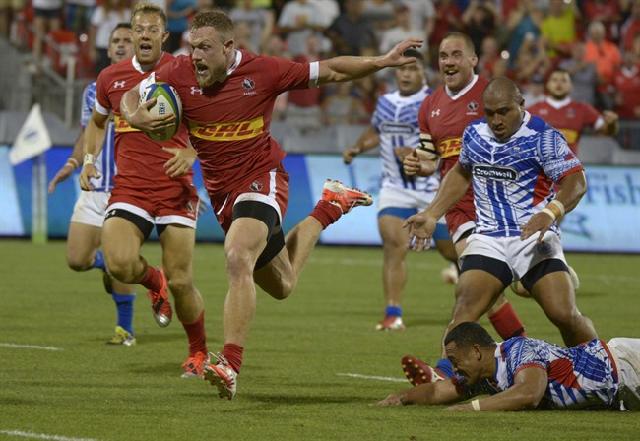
551	214
89	158
559	205
73	162
475	404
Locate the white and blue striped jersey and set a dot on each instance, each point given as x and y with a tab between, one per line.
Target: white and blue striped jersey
580	377
105	162
396	121
512	180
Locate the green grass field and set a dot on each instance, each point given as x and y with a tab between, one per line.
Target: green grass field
292	384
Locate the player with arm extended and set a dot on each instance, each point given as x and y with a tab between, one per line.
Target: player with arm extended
568	116
442	119
153	187
228	96
85	228
524	373
394	126
510	158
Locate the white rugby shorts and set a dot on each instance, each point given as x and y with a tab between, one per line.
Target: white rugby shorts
395	197
90	208
626	353
519	255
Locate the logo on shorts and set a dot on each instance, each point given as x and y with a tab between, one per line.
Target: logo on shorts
249	86
497	172
256	186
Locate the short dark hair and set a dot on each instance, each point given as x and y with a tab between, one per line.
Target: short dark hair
462	36
149	8
467	334
413	52
216	19
123	25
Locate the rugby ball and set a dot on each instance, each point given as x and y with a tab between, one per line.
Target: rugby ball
168	103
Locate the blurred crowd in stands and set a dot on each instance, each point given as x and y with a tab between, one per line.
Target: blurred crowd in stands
596	41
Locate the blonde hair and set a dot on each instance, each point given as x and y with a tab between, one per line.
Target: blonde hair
148	8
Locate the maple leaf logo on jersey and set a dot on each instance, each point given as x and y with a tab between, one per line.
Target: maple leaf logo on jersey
256	186
249	86
472	108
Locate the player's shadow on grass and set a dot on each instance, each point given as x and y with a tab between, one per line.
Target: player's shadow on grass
171	368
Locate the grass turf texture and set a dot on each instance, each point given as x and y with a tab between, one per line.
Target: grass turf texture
289	387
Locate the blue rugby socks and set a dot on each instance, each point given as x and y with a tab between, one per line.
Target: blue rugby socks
124	309
393	310
98	262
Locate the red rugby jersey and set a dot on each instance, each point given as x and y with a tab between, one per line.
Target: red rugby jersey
445	117
569	117
229	121
139	159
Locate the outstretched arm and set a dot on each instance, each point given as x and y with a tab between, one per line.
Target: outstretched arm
368	140
340	69
422	225
440	392
526	393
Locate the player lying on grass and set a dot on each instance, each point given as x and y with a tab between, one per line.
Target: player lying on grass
524	373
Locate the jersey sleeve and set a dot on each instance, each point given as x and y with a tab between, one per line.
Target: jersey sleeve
557	159
88	103
591	116
103	105
376	118
464	159
524	353
427	146
291	75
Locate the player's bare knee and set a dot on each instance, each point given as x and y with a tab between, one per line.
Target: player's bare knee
120	267
564	318
79	263
180	285
239	262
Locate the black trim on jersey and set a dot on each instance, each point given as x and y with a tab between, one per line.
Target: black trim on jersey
543	268
497	268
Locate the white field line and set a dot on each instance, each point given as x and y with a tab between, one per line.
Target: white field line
372	377
32	435
45	348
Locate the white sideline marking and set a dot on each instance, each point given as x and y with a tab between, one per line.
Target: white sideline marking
46	348
372	377
33	435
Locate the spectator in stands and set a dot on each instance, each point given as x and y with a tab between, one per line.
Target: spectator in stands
558	27
329	11
583	75
77	15
605	11
350	33
259	22
304	105
380	14
490	63
523	22
276	47
631	26
401	31
343	107
627	85
606	57
479	19
46	18
423	18
105	18
447	18
532	65
178	13
299	19
8	11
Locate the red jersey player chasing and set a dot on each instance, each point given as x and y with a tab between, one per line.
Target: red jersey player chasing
228	97
442	118
568	116
148	191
